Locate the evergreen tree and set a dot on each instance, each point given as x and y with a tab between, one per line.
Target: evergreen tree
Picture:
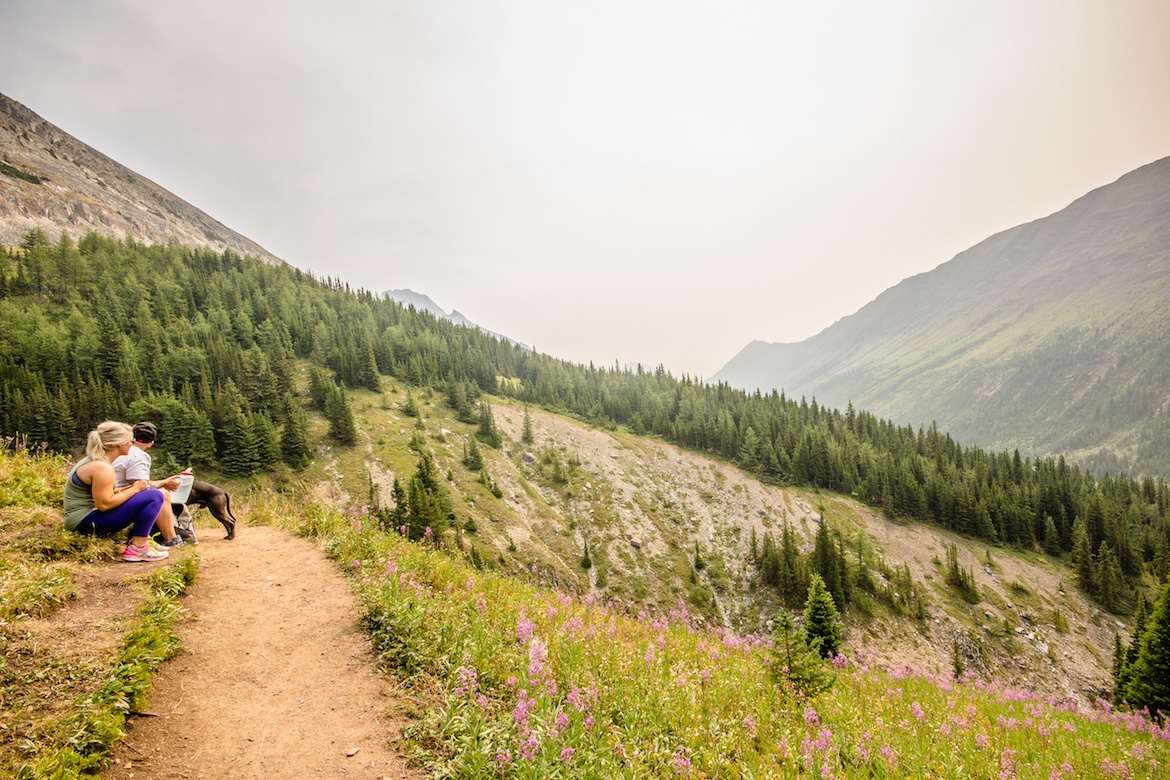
1051	536
487	432
1149	683
409	407
295	449
428	501
337	410
1109	578
319	387
821	620
401	506
792	576
1123	665
796	662
267	448
472	457
1082	557
826	565
527	436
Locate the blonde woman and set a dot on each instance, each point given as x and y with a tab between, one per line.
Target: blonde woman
93	505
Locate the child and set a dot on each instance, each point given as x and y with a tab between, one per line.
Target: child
135	466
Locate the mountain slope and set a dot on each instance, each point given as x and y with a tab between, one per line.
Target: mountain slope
1053	336
52	181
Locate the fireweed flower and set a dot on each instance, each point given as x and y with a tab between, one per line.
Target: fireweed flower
1007	764
537	654
467	682
530	746
524	630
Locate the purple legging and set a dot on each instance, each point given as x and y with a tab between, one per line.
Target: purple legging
139	511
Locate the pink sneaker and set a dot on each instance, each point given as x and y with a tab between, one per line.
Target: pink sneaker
134	554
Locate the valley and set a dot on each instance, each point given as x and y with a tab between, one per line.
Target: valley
643	505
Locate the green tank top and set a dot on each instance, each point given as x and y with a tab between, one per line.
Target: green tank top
78	498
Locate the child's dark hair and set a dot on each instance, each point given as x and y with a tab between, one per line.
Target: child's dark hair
145	432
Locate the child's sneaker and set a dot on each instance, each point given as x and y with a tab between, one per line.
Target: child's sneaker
147	553
174	541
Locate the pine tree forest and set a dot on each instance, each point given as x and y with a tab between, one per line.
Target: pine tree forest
207	345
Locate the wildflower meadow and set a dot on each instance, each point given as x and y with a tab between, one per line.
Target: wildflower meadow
535	683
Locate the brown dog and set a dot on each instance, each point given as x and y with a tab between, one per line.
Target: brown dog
215	500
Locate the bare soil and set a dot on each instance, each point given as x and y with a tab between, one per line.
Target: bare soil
276	678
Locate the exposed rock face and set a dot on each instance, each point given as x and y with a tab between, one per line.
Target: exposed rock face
52	181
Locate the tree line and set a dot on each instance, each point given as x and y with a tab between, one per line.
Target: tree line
208	345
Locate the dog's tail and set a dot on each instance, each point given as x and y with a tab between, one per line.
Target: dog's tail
227	505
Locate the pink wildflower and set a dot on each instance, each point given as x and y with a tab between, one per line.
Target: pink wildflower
524	630
537	654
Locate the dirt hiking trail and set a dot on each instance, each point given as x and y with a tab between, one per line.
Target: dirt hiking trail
275	679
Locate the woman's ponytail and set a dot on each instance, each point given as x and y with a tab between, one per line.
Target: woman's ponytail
106	436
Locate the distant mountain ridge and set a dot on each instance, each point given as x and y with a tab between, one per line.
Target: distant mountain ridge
423	302
52	181
1051	337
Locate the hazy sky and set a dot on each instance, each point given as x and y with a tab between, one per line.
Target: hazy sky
655	182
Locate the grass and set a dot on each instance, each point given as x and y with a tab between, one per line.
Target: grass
62	708
534	683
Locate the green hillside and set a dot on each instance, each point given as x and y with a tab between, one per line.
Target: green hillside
229	355
1051	337
516	679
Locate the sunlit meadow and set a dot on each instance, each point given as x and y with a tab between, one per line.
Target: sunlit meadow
538	684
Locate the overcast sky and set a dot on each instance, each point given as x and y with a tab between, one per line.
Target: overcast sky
655	182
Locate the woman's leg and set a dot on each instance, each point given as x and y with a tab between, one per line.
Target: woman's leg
138	511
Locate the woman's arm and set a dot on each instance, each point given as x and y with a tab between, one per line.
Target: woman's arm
105	495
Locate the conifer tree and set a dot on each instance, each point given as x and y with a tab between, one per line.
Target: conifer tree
409	407
1082	556
337	410
427	499
1109	578
487	432
821	620
527	435
1149	683
795	661
398	514
472	457
792	575
295	449
825	563
267	448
